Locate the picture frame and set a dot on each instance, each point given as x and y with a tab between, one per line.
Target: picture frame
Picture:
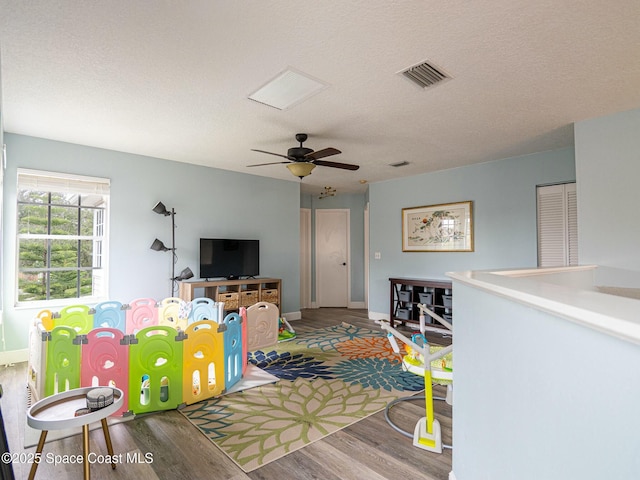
447	227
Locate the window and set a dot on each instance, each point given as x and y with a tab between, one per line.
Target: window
557	225
62	236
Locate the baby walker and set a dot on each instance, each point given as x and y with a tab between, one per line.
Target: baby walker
285	330
432	365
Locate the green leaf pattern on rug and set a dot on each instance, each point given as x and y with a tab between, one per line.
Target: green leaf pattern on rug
210	417
334	335
329	379
290	415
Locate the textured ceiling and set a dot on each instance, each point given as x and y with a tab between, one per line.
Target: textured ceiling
171	79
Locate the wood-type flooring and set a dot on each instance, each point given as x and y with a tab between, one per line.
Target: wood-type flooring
370	449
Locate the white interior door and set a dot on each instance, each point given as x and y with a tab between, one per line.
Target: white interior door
366	256
305	258
332	258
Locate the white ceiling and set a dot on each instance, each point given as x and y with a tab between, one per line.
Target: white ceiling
170	79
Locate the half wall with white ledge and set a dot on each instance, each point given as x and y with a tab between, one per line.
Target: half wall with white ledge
547	368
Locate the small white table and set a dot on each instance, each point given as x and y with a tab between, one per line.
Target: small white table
57	412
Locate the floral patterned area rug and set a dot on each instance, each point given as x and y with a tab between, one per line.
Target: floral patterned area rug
329	379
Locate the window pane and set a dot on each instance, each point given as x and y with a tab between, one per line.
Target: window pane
31	196
92	200
64	221
86	283
63	284
61	208
33	254
86	221
98	253
32	286
86	253
64	198
33	218
64	253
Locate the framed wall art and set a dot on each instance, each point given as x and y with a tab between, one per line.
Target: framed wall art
447	227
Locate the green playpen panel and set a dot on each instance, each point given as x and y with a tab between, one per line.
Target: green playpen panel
77	317
155	370
63	361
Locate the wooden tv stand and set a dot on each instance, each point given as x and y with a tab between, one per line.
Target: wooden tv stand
235	293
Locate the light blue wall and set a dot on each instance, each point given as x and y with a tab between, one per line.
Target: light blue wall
2	261
504	217
607	172
538	397
355	203
208	202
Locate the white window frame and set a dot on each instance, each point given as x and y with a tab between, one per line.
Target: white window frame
55	182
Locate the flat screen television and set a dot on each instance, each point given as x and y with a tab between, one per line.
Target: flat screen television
229	258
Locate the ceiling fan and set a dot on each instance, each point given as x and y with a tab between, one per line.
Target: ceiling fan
301	160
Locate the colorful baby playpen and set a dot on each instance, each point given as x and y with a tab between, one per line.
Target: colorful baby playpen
160	354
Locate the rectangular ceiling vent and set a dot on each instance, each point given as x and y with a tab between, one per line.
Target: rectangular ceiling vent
425	74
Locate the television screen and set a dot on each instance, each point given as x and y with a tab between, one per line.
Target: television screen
229	258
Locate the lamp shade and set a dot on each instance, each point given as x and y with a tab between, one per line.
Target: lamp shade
185	274
158	246
301	169
161	209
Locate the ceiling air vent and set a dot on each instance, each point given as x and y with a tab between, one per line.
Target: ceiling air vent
425	74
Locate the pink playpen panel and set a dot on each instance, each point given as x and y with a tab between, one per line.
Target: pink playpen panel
105	362
142	313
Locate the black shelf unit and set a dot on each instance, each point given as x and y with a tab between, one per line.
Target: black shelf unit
407	293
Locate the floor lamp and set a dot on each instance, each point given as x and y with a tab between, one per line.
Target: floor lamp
158	246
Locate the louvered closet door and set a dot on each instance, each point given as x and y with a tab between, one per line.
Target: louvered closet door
557	225
572	222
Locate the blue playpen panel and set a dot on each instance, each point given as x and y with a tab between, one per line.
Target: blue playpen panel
233	360
110	314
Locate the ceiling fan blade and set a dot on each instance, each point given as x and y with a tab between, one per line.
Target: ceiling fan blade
344	166
262	164
271	153
325	152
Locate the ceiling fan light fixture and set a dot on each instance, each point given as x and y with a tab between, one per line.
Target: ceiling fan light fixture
301	160
301	169
327	192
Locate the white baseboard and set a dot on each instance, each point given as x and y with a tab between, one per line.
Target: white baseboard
353	305
14	356
378	316
293	315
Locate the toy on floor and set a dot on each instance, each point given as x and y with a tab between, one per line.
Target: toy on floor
435	365
285	330
413	361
